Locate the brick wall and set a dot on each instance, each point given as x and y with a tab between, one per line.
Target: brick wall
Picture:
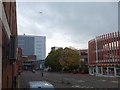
91	52
0	54
20	60
8	69
107	50
84	55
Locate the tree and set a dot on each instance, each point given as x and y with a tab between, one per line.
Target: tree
52	60
69	59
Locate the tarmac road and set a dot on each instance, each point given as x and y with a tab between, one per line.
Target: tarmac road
69	80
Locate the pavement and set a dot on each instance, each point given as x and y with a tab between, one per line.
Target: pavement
69	80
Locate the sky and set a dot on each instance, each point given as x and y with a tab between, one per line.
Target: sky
67	23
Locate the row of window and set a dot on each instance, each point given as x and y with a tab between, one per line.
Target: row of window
106	71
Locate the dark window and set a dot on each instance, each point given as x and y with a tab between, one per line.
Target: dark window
84	53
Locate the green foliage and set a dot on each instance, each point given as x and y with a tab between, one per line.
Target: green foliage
67	58
52	60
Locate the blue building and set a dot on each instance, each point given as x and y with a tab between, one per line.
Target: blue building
33	45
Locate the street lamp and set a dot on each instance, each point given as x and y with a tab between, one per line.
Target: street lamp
62	72
42	67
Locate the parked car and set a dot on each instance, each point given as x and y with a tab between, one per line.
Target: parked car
41	85
75	71
33	71
37	68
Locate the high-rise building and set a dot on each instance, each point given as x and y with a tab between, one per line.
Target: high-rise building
33	45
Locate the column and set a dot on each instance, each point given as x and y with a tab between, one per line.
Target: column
113	46
109	47
116	51
107	70
114	71
119	46
96	70
96	42
101	70
104	48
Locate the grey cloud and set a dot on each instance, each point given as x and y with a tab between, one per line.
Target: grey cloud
77	22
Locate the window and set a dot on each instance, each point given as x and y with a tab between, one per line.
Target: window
84	53
118	71
104	70
99	70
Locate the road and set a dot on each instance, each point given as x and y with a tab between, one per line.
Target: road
69	80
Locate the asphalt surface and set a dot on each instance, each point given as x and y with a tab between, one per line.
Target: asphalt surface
69	80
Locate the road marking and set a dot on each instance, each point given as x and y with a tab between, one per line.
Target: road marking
80	81
114	81
78	86
76	80
102	80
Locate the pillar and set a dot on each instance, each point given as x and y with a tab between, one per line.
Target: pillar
96	70
107	70
101	70
114	71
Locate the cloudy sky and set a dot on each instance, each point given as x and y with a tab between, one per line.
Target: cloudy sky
67	23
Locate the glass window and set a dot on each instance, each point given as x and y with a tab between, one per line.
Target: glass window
111	71
104	70
118	71
99	70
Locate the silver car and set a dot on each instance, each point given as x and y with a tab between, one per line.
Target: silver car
41	85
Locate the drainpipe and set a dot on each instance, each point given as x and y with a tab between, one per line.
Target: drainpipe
12	74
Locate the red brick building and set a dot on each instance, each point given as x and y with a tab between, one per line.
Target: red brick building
83	60
30	62
8	45
84	57
104	55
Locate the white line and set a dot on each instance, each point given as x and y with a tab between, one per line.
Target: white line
102	80
114	81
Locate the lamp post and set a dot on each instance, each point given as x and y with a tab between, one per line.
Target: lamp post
42	67
62	73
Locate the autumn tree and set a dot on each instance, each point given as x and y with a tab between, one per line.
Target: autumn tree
69	59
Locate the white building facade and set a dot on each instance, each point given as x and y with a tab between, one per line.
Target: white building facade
40	47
